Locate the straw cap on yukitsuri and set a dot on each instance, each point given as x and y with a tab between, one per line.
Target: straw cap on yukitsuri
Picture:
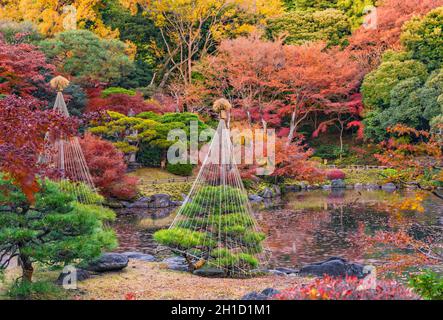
222	106
59	83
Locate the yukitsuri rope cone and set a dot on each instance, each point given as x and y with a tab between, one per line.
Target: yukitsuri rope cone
215	227
66	156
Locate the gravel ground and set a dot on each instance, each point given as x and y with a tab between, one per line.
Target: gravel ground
152	281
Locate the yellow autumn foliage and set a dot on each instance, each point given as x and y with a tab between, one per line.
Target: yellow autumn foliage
53	16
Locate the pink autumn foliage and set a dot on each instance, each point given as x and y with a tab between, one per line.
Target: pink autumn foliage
121	103
350	288
335	174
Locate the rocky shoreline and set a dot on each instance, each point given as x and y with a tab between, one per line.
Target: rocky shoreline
161	201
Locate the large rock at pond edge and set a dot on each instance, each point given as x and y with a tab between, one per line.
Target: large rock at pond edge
389	187
338	184
160	201
255	198
292	188
139	256
109	262
142	203
209	272
335	267
176	263
80	275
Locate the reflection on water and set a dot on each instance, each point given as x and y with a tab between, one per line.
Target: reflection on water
303	227
312	226
134	228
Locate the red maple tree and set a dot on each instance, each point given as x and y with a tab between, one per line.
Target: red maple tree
108	169
23	69
23	133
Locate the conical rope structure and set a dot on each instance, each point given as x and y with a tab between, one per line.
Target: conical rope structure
65	155
215	227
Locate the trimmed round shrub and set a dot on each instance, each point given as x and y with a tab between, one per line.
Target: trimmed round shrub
178	169
335	174
117	90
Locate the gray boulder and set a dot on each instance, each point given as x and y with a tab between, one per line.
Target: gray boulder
255	296
292	188
209	272
338	184
335	267
139	256
358	186
326	187
270	292
255	198
176	263
389	187
277	272
160	201
286	270
109	262
372	186
80	275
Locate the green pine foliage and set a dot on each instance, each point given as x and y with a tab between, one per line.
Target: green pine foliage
84	55
219	230
56	229
429	285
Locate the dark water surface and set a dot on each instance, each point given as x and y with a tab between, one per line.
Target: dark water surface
304	227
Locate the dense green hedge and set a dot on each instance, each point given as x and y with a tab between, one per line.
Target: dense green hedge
184	170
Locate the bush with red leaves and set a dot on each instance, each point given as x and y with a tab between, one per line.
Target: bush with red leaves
108	169
335	174
351	288
119	102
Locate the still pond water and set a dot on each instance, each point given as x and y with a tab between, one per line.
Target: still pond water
303	227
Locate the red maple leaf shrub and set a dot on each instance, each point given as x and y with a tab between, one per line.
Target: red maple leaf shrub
335	174
23	69
108	169
350	288
119	102
23	129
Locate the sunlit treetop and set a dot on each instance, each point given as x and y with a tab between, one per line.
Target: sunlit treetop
52	17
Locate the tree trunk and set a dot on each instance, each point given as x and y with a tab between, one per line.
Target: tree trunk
27	268
341	141
291	129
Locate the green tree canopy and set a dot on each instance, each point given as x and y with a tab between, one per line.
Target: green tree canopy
353	9
55	230
424	38
395	67
330	25
140	30
129	134
83	54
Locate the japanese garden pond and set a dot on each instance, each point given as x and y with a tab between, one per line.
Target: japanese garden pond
303	227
